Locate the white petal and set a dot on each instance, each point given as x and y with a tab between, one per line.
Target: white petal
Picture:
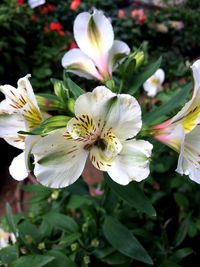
10	125
95	104
195	100
117	53
36	3
189	158
25	87
58	162
160	75
124	117
196	73
150	88
132	163
94	35
5	108
77	62
17	168
18	98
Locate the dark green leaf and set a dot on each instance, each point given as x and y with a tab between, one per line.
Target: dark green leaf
69	239
133	195
116	258
61	222
60	260
124	241
10	219
180	254
182	231
74	89
166	108
9	254
32	260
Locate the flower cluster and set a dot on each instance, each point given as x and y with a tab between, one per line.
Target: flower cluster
101	125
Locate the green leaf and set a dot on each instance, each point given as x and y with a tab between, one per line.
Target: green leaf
124	241
133	195
139	78
76	201
116	258
32	260
10	219
69	239
28	232
182	231
180	254
166	108
50	124
61	222
9	254
75	90
60	259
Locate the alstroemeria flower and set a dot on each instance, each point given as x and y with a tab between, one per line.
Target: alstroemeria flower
102	130
18	112
182	132
6	238
154	83
99	53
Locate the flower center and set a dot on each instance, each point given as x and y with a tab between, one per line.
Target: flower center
102	144
155	81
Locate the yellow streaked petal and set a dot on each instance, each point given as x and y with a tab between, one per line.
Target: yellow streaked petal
189	122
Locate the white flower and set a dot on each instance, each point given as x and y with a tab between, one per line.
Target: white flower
99	53
182	132
36	3
5	237
18	112
102	129
154	83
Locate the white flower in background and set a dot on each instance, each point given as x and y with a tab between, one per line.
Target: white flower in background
99	53
36	3
18	112
182	132
5	237
154	83
102	129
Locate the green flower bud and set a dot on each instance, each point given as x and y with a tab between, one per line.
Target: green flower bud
85	228
138	56
74	247
86	259
95	243
70	105
55	194
41	246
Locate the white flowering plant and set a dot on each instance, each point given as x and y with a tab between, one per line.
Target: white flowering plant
103	127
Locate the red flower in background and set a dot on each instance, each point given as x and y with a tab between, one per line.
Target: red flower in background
55	26
121	14
74	4
138	15
20	2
